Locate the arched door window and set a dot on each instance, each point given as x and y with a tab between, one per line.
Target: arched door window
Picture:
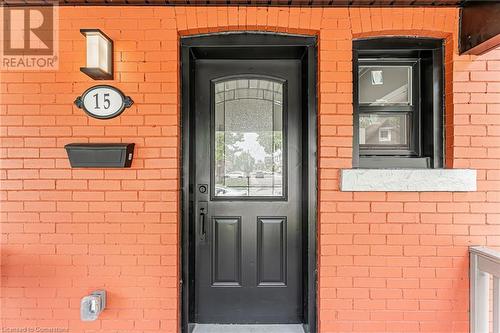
249	140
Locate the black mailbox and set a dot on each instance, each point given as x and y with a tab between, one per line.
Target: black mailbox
100	155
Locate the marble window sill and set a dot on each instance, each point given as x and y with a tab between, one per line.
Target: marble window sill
408	180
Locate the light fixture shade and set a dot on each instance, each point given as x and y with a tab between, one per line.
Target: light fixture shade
99	55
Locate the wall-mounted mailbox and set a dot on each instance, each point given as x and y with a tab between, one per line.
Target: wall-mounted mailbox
100	155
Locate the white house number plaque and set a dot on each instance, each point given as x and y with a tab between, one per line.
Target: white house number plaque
103	102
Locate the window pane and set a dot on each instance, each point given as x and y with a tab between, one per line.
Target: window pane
248	138
383	130
381	85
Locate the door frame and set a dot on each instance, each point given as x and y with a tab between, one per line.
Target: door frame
264	45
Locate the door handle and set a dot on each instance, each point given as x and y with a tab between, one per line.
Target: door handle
203	213
202	220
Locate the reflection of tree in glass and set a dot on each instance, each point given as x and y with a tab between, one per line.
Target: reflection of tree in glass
225	149
366	121
272	143
245	162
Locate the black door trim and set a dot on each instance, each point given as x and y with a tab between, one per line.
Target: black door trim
251	45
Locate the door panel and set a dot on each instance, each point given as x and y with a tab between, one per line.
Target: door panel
248	218
226	255
271	240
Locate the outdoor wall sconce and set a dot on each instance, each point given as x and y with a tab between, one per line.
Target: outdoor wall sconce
99	55
92	305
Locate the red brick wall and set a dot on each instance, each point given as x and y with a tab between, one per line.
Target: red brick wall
394	262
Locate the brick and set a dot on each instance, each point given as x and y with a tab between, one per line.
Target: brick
403	239
386	250
484	76
453	207
403	217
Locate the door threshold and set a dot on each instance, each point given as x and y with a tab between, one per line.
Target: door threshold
250	328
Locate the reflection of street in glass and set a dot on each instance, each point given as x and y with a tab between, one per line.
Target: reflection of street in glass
378	129
260	183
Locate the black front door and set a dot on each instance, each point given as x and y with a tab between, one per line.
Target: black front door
248	197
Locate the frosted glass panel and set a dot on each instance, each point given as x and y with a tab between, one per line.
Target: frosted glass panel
248	138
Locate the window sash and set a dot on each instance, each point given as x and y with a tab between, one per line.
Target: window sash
388	149
413	146
382	64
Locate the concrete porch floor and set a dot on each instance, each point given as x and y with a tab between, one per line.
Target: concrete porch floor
215	328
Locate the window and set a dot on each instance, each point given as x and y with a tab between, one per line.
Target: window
388	107
248	138
398	103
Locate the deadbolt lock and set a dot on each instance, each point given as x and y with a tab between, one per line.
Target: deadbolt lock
203	188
